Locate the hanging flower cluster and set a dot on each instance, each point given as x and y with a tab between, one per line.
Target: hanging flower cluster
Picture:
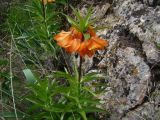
75	41
81	38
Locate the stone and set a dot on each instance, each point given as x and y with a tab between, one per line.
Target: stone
151	2
130	78
142	21
131	61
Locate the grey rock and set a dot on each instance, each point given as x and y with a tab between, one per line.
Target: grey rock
129	80
151	2
151	53
147	111
128	69
142	21
130	59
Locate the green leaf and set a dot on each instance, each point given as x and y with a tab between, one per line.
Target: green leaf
92	76
4	75
102	27
60	74
34	107
63	107
88	90
71	79
72	98
71	21
92	109
35	99
89	100
62	89
41	90
80	19
88	16
3	62
29	76
83	114
77	13
86	36
11	114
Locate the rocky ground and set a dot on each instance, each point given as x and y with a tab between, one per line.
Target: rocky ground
132	60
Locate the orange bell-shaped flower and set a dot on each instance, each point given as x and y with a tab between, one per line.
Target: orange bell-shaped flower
74	41
69	40
88	47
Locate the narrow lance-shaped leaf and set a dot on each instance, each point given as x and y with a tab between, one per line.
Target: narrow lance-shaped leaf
81	23
90	91
87	18
77	13
92	76
29	76
11	114
71	20
60	74
93	109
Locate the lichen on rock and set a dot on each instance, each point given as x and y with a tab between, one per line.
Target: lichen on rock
132	58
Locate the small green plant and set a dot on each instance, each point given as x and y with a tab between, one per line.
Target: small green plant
30	27
64	95
63	98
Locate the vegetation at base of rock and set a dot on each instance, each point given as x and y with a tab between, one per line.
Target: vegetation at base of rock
31	26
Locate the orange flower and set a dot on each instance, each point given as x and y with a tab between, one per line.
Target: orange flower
73	41
69	40
88	47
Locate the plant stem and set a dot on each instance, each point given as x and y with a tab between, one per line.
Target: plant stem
43	10
11	79
83	114
45	23
79	75
80	69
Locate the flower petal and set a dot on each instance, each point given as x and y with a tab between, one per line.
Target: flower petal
101	41
74	46
62	35
66	42
83	50
92	45
76	33
96	43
